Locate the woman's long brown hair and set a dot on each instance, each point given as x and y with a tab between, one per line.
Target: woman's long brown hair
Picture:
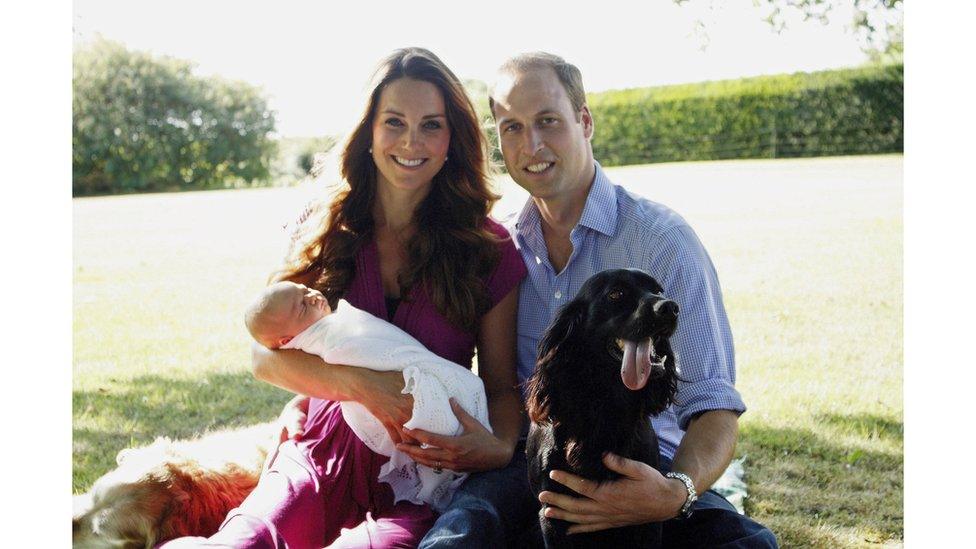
452	250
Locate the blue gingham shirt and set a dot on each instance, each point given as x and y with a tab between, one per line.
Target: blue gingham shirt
621	230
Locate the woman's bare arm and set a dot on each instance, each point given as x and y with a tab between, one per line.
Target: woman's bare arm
496	367
303	373
306	374
477	449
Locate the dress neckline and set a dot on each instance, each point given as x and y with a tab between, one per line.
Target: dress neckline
379	300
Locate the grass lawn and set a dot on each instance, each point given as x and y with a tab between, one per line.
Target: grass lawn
809	253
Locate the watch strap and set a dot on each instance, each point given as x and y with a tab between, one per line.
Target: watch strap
685	511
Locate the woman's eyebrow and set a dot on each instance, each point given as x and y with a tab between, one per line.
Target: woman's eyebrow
425	117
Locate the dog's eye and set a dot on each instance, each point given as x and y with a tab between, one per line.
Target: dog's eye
614	295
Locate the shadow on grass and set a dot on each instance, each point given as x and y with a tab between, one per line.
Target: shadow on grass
818	489
869	425
108	420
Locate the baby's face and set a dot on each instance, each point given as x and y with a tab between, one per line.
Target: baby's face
286	310
301	307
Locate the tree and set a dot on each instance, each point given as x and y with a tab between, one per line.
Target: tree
143	124
876	23
478	92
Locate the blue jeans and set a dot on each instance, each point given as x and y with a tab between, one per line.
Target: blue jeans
715	523
497	509
491	509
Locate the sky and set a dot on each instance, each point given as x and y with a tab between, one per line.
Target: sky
313	59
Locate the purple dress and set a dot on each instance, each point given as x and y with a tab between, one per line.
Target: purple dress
322	490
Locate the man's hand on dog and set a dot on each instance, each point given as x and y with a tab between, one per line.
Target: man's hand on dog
641	495
476	449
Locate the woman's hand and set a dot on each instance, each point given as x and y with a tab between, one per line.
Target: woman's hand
382	394
476	449
292	418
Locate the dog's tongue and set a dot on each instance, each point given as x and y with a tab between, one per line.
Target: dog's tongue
635	368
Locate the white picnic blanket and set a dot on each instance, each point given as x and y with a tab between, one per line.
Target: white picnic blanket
356	338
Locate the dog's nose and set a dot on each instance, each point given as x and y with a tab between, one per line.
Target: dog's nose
666	308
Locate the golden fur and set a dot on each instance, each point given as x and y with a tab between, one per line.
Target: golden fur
170	489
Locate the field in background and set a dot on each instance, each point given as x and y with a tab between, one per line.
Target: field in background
809	254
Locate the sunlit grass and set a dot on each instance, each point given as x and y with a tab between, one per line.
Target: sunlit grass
809	254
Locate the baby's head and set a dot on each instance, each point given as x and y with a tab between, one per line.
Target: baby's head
282	311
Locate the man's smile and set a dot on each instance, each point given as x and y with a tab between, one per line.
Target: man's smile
539	167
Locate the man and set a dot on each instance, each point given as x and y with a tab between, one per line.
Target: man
576	224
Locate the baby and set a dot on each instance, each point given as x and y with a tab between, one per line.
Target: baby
284	310
291	316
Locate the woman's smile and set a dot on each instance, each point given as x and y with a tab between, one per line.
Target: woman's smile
406	163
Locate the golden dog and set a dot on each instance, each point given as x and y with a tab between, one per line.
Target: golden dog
170	489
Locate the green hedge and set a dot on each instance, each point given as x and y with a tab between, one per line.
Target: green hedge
142	123
839	112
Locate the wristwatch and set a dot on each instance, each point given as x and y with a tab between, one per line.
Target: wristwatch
686	509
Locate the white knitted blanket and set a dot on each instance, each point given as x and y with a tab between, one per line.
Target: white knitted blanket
356	338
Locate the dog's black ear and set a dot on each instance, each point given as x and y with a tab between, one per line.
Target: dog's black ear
560	342
561	334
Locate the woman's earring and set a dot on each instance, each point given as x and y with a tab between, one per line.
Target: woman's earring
371	150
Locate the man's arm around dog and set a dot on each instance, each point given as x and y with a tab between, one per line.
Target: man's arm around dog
643	494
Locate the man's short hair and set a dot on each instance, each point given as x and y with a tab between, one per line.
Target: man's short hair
569	76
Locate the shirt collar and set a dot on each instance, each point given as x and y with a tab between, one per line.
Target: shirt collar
528	219
599	212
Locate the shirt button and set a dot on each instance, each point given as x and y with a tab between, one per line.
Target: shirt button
559	295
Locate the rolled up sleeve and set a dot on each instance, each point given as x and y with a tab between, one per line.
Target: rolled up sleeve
703	340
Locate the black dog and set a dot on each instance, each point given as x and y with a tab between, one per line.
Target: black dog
604	366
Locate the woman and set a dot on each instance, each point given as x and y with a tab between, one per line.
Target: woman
409	240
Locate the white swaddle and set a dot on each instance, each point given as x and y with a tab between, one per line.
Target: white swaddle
356	338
